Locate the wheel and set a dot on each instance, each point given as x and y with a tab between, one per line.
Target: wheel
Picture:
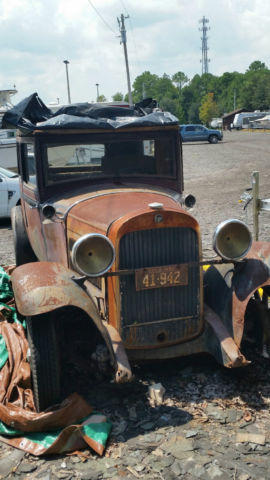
44	360
213	139
257	322
22	247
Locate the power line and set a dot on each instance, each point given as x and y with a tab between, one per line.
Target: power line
100	16
124	6
132	34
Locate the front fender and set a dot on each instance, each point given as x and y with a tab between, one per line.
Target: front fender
228	288
42	287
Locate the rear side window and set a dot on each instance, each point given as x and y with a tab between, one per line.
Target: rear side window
190	129
28	164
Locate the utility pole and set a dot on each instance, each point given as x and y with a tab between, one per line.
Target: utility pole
122	28
97	85
205	60
68	89
234	99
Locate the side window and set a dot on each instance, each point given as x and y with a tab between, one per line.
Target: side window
190	129
28	164
199	129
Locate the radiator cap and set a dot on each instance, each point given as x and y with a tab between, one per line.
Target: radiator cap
155	206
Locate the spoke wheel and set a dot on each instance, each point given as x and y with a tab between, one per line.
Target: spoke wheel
44	360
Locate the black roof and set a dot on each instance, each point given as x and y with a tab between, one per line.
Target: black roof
32	114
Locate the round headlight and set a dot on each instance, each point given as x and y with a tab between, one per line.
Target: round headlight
93	254
232	239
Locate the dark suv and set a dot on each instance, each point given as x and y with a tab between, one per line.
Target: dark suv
199	133
110	259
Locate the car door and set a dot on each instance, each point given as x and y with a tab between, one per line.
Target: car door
3	196
189	134
200	133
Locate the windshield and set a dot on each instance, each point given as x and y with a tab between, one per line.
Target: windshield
139	157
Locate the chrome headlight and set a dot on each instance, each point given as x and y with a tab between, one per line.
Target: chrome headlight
232	239
93	254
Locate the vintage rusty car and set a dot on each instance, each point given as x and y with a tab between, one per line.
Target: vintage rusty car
103	236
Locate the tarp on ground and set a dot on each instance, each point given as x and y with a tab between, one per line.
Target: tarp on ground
31	114
69	426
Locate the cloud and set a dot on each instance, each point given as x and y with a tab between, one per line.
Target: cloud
36	36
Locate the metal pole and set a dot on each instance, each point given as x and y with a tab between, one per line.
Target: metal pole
97	85
255	203
122	28
68	89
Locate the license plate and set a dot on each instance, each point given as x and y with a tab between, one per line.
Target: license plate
158	277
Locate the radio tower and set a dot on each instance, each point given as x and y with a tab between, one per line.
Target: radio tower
205	60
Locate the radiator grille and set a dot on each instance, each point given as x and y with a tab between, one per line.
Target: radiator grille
168	314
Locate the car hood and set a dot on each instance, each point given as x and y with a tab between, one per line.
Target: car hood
13	183
97	213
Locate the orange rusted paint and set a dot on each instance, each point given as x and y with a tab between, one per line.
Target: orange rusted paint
233	357
259	251
46	286
144	219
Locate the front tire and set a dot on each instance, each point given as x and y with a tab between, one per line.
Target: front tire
213	139
44	360
22	248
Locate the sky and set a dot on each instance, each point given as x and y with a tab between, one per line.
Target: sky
36	36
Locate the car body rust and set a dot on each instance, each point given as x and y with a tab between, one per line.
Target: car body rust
92	229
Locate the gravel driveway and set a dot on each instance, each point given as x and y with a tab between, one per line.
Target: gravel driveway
213	423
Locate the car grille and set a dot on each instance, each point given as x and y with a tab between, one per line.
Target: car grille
159	315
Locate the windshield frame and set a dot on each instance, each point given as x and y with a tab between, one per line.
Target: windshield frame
43	139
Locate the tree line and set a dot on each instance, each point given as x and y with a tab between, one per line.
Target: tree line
203	97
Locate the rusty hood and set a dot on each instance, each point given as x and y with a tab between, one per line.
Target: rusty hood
99	212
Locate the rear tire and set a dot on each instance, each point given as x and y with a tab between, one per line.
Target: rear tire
44	360
22	248
213	139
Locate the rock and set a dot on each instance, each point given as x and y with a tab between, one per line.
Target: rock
216	413
215	473
197	471
178	446
63	474
250	438
148	425
191	433
9	460
176	468
139	468
132	414
27	467
233	415
119	427
156	393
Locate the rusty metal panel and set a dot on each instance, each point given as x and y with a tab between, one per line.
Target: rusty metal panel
45	286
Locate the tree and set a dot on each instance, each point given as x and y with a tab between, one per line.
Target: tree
144	86
256	66
118	97
180	79
208	108
101	98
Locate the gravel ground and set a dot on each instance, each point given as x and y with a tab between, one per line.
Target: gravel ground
213	423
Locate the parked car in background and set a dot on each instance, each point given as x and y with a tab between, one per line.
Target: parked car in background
9	191
199	133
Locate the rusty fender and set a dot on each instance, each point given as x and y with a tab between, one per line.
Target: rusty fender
229	287
42	287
